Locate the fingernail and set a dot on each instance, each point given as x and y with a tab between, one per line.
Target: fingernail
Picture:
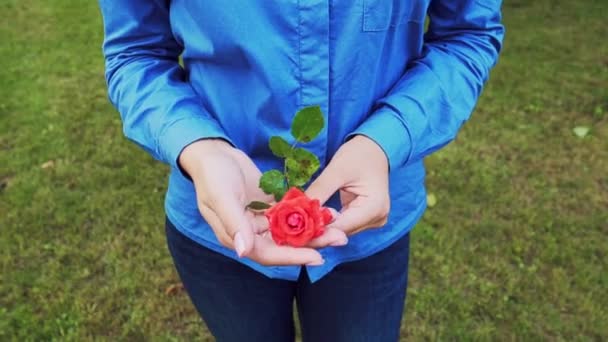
339	243
316	263
239	245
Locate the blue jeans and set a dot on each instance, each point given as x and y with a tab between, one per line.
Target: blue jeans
362	300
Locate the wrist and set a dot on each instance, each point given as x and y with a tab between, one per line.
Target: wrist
192	156
372	146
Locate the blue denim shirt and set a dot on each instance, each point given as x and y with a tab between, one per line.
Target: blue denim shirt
249	65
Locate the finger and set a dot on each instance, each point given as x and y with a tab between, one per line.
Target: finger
331	237
362	213
233	215
334	213
266	252
325	185
230	208
260	222
217	226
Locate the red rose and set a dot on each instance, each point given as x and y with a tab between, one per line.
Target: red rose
297	219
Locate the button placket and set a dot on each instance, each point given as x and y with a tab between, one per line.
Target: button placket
313	47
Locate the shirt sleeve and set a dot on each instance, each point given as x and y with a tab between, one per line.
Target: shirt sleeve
438	91
160	110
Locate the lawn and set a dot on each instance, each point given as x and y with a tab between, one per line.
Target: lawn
516	247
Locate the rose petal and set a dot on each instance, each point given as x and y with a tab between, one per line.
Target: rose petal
295	220
293	193
327	216
297	230
319	232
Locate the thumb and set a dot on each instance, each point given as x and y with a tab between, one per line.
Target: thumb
325	185
243	242
237	224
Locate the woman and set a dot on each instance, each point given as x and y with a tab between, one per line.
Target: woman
391	96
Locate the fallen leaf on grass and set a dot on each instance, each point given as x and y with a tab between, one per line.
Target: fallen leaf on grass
174	288
4	184
48	165
431	200
581	131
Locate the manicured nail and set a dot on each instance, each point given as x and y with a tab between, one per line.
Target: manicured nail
339	243
239	244
316	263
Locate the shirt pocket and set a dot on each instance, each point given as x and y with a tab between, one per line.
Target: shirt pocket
383	15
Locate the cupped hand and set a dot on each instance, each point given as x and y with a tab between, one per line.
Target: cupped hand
225	181
359	170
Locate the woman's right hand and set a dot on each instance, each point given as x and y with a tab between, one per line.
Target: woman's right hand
225	181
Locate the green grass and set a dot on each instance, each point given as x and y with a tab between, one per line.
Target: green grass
515	249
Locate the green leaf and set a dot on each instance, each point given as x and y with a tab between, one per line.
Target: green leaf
257	205
307	124
581	131
296	176
279	147
307	160
301	166
431	200
273	183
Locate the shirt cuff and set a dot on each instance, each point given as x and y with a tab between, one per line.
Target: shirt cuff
389	131
184	132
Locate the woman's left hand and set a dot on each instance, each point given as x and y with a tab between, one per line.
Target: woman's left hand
359	170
